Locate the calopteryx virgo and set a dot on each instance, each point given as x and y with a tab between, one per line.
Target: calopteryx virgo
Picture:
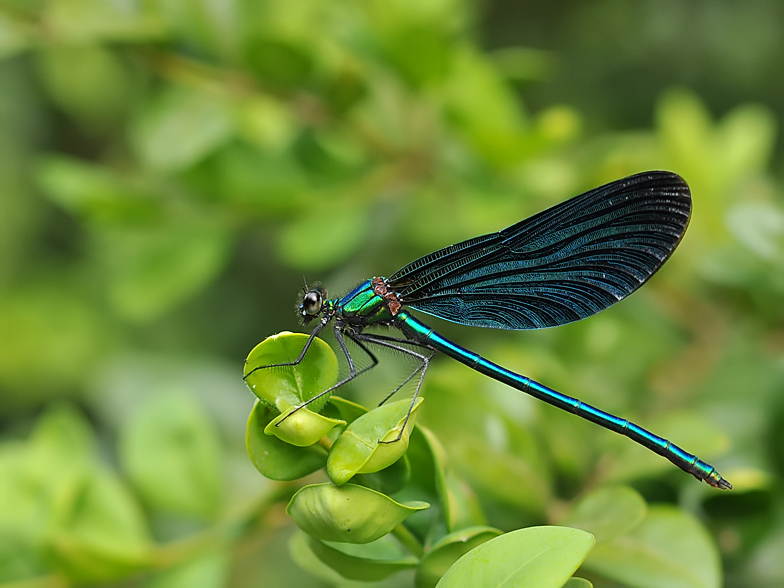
561	265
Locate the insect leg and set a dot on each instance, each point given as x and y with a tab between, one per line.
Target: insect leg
394	343
302	353
353	373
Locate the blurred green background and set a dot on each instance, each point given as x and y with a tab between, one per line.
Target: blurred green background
169	170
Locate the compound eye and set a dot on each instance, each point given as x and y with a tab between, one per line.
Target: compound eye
311	303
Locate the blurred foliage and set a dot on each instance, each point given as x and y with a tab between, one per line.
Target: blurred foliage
169	169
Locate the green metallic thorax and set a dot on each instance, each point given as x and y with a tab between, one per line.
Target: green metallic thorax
363	306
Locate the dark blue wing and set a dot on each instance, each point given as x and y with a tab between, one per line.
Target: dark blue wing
559	266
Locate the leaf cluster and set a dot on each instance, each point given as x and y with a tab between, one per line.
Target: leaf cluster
170	168
363	525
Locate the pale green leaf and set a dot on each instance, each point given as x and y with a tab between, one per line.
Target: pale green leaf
150	271
447	550
371	442
287	386
535	557
348	513
578	583
181	127
207	570
670	549
607	512
172	453
98	531
368	562
274	458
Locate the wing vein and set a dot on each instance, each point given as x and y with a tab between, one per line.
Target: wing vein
561	265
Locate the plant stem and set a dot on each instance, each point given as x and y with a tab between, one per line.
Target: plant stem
408	540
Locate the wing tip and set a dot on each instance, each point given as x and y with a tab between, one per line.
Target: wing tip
661	178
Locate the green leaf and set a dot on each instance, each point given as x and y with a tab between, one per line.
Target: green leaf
38	475
302	554
577	583
280	62
759	226
24	515
419	51
369	562
89	82
19	561
484	107
267	122
670	549
464	506
80	21
429	454
61	438
348	513
389	480
369	443
269	182
447	550
48	324
14	37
540	557
207	570
766	565
284	387
172	453
206	29
287	387
523	63
747	137
347	410
512	477
151	270
494	453
301	426
607	513
428	482
342	236
93	191
62	449
685	126
98	531
181	127
276	459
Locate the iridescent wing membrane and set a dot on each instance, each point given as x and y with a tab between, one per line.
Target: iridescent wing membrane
561	265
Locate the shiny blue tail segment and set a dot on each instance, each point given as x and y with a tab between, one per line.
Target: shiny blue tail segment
689	463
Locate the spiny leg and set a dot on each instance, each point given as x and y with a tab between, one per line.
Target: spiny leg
353	373
302	353
377	339
418	369
393	343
